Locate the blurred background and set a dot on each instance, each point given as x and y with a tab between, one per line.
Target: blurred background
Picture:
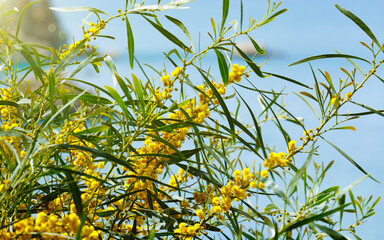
308	28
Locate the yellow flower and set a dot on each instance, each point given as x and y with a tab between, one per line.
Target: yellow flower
216	209
176	72
200	214
291	147
348	95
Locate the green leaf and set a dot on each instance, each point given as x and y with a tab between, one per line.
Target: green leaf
350	186
330	232
359	23
112	67
346	127
326	56
122	85
99	153
182	27
51	89
39	73
300	173
250	63
80	66
130	42
9	103
225	14
271	18
68	59
287	79
378	112
96	129
349	159
221	101
312	219
76	194
308	95
259	141
79	9
139	91
169	35
222	66
256	46
21	16
94	99
118	100
198	173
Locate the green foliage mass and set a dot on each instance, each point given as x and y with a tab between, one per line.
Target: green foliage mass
166	155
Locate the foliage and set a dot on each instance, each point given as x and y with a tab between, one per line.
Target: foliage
162	156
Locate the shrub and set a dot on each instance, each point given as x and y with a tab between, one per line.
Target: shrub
166	155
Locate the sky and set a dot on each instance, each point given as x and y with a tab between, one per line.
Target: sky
307	28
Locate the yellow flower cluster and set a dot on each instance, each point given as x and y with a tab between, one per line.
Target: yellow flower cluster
50	226
168	86
235	190
280	159
235	73
178	178
87	34
206	95
186	232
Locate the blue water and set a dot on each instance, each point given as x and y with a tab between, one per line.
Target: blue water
308	28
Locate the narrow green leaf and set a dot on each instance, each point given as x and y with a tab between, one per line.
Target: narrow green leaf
346	127
80	66
122	85
300	173
78	9
309	95
224	14
222	66
318	93
326	56
39	73
259	141
271	18
139	91
349	159
94	99
330	232
256	46
68	59
359	23
350	186
112	68
131	43
169	35
182	27
118	100
250	63
96	129
52	117
213	26
75	192
287	79
378	112
99	153
308	104
51	89
329	80
241	15
221	101
198	173
308	220
21	16
9	103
